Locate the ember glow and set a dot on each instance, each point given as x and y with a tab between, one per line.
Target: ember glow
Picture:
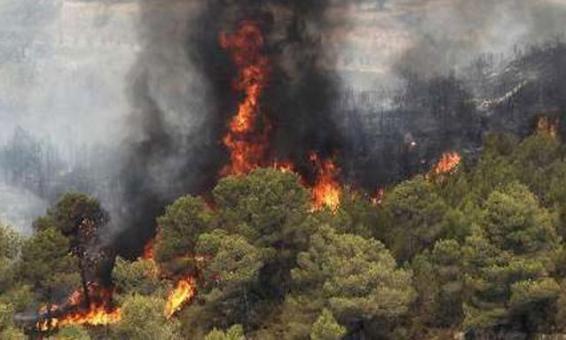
100	310
149	251
284	166
248	135
377	198
447	163
183	292
548	126
96	315
326	189
247	139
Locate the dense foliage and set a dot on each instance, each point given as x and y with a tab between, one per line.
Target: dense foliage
480	250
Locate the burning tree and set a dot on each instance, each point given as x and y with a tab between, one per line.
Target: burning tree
447	163
182	293
326	190
93	308
66	253
247	139
248	136
224	250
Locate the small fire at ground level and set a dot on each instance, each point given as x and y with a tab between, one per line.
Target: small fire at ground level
96	310
183	292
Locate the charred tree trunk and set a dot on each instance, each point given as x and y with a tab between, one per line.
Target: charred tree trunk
84	281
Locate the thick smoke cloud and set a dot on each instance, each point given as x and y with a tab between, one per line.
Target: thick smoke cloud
63	64
62	67
447	35
338	70
183	97
182	93
420	77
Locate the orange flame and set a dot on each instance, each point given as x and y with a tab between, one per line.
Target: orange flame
447	163
377	198
548	126
96	315
246	144
248	136
183	292
99	312
284	166
326	189
149	250
247	139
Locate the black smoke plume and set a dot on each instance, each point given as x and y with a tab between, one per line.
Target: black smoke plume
449	91
183	99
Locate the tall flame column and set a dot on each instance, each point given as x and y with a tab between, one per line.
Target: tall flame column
246	139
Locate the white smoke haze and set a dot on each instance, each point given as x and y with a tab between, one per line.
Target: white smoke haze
63	66
70	70
173	83
429	37
19	208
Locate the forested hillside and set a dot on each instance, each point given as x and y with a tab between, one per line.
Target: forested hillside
477	250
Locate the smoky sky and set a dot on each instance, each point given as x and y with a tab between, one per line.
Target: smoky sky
149	80
64	63
447	35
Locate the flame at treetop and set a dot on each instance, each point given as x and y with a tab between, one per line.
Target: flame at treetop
248	137
183	292
326	189
284	166
447	163
246	140
99	312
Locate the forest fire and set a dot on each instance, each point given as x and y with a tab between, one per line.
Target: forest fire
248	135
99	311
447	163
271	169
546	125
247	139
326	189
184	291
149	251
284	166
377	197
